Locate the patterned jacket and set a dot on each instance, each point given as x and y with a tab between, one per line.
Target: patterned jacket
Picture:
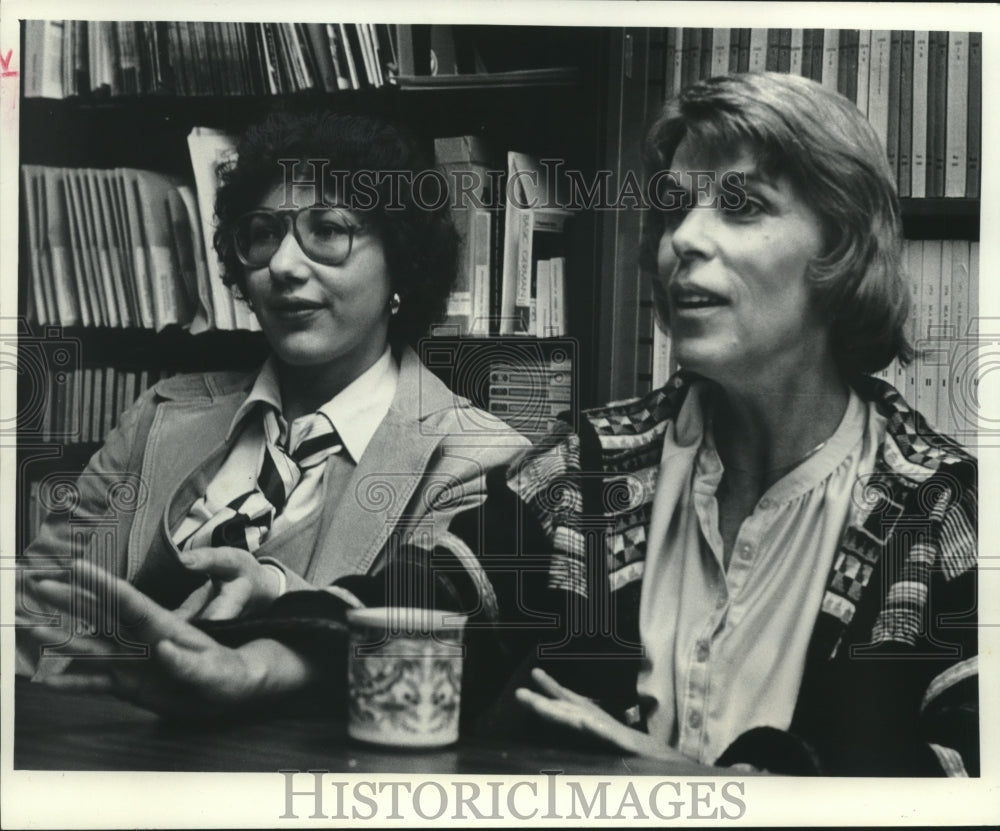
890	685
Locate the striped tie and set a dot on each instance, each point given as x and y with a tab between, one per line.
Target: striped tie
245	522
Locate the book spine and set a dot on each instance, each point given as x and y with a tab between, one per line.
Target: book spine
918	150
945	337
784	50
937	81
905	177
720	51
746	35
758	50
795	52
560	315
705	56
864	70
878	85
669	53
831	58
773	47
682	38
928	318
892	123
957	118
974	136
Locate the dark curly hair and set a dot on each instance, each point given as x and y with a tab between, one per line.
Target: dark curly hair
420	241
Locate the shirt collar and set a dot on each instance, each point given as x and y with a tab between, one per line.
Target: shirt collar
356	411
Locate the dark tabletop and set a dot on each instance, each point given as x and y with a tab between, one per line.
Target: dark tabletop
62	731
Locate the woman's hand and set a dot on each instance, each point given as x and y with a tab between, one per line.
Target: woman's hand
237	583
184	672
572	710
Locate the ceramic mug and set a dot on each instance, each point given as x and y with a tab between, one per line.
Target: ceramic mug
404	676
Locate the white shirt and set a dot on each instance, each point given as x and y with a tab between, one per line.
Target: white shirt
725	650
356	412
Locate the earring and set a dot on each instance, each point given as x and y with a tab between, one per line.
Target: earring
394	303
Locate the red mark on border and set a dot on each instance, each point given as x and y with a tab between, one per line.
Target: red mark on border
5	64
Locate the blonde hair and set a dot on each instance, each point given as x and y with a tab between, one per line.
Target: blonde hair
822	143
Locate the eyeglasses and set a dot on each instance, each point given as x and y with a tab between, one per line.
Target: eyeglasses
325	235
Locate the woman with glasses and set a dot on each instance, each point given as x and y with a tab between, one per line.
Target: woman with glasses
343	445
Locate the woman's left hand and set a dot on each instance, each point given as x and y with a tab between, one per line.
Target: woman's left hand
237	583
150	656
563	706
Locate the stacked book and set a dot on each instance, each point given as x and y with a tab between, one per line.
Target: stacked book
944	330
84	405
512	231
119	58
68	58
127	248
921	90
108	247
530	397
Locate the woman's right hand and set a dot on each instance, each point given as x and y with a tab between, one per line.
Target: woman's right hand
184	672
237	583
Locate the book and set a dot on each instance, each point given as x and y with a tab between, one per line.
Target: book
557	303
918	147
937	84
720	52
905	177
831	58
795	52
744	50
892	122
847	70
690	57
864	70
44	41
209	149
170	305
974	136
39	307
705	56
771	56
878	84
682	39
957	115
669	53
929	317
464	160
541	313
758	50
530	211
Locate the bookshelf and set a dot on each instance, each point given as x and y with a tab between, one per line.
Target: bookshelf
650	64
544	98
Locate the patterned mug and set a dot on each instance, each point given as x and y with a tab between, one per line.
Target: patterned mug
404	676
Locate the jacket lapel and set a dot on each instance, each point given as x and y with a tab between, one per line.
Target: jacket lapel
386	477
183	452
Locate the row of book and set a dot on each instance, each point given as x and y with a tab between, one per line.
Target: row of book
944	329
529	398
125	248
95	58
512	257
84	405
921	90
132	248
